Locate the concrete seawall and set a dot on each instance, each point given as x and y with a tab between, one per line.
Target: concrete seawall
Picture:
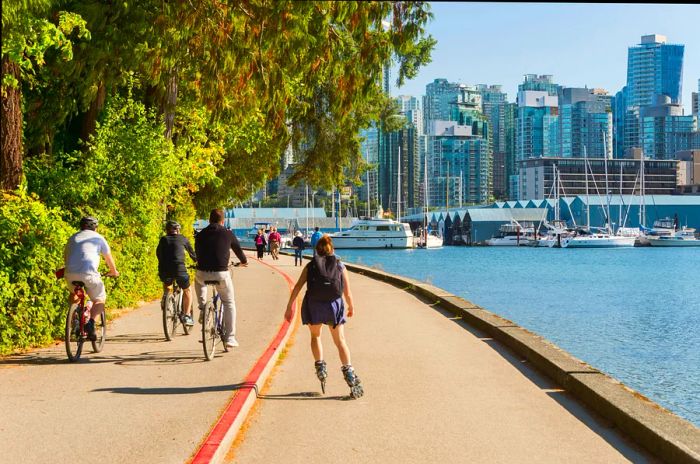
663	433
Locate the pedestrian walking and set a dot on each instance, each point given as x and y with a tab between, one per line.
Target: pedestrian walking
327	283
298	244
266	233
260	243
275	241
315	237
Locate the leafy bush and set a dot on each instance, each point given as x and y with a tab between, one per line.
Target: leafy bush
32	302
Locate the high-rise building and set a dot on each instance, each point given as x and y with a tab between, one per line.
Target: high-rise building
654	68
696	101
439	95
665	130
498	112
459	153
585	123
369	146
410	141
619	106
537	131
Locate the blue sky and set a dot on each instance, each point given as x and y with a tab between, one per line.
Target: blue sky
580	44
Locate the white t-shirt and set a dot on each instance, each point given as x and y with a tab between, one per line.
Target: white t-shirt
84	250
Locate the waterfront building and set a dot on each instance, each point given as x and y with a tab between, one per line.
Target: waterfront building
500	114
654	68
537	177
665	130
369	146
410	141
688	171
439	96
459	153
619	106
537	131
585	123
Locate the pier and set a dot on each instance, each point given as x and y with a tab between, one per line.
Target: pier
445	381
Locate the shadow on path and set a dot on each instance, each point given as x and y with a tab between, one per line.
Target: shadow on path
144	359
176	390
303	396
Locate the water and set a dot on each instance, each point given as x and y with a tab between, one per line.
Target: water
632	313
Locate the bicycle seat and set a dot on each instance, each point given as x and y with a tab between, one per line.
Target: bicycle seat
211	282
78	283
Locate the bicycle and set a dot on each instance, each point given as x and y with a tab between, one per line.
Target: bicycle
78	315
173	314
213	320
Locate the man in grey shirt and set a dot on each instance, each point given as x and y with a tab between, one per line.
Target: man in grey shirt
82	259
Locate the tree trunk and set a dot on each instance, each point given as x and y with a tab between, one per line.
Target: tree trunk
169	104
90	118
11	130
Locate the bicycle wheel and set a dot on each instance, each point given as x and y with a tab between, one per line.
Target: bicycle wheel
209	334
101	332
181	314
170	317
74	341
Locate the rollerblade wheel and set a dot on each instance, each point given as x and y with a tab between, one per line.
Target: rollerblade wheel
356	391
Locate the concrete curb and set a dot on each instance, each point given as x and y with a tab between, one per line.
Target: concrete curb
661	432
220	438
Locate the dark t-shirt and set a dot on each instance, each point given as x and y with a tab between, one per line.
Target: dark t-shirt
298	242
171	255
213	246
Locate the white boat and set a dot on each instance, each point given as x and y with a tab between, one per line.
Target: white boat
513	234
431	240
374	233
682	238
593	238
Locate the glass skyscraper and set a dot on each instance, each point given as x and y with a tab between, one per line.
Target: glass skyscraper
537	124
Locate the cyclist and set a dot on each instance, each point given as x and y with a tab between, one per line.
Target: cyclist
171	265
81	257
213	246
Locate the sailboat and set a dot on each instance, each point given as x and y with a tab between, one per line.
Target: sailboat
555	229
596	237
427	238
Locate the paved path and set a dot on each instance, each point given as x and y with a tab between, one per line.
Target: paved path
436	391
142	399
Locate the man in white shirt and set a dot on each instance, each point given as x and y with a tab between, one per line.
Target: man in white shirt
82	259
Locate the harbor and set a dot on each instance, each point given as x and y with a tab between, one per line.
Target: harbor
632	313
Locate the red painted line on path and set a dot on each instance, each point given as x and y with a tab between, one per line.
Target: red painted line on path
206	451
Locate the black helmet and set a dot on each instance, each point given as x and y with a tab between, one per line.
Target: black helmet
172	226
88	222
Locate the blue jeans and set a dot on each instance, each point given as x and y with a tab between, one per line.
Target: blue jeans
297	255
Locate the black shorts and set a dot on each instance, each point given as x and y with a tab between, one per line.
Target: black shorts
183	280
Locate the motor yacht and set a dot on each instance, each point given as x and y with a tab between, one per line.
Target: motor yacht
374	233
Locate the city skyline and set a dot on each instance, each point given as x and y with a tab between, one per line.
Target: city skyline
507	42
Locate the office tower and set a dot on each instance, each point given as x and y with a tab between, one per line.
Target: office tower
439	95
410	140
696	101
665	130
369	147
459	153
654	68
537	132
498	112
585	122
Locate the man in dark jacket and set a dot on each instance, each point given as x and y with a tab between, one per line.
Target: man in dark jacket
171	265
298	244
213	246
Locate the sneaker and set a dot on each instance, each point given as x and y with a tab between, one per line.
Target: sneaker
90	329
232	342
189	322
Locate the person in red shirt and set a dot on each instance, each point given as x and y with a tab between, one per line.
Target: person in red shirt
275	242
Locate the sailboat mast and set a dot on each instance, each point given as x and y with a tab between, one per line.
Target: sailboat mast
588	198
556	193
642	202
398	186
607	190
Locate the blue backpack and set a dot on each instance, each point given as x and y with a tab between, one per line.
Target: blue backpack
324	279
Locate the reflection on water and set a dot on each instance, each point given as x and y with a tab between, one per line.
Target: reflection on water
633	313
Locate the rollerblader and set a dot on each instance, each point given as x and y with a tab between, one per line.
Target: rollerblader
327	283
